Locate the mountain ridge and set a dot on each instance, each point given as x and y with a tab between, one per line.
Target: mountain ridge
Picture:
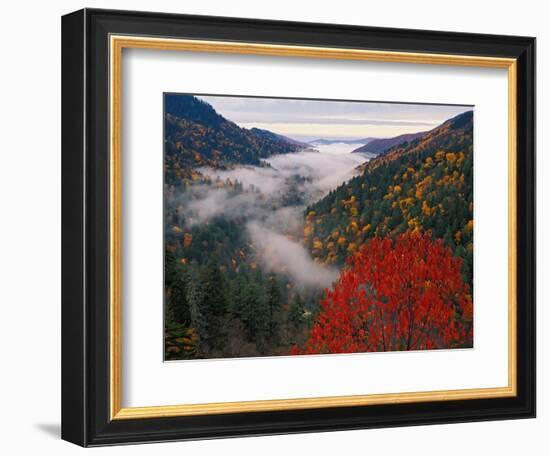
381	145
457	126
272	135
425	185
197	135
325	142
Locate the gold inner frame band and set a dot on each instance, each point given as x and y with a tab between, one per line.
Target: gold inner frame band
117	44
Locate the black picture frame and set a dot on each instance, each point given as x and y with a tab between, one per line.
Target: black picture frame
85	225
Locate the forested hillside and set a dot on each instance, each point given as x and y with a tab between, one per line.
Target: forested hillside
256	264
196	135
382	145
274	138
454	135
423	186
219	302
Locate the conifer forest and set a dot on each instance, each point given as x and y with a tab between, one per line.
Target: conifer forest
300	227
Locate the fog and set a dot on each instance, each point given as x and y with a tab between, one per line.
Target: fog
218	202
324	170
274	225
279	254
202	203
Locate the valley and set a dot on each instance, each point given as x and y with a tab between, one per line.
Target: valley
259	226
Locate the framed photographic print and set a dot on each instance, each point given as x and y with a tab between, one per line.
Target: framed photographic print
278	227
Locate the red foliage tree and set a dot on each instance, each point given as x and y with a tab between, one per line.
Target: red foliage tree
402	294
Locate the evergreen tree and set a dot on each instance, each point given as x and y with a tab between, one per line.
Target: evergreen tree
213	302
236	294
175	279
296	311
250	310
177	301
213	289
198	320
274	297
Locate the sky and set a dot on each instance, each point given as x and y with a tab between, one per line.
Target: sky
307	120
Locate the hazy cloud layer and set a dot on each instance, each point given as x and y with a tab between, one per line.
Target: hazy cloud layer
324	170
267	180
273	227
308	119
218	201
281	255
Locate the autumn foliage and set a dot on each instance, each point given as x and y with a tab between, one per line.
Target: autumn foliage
401	294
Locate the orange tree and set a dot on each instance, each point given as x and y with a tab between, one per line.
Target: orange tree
405	293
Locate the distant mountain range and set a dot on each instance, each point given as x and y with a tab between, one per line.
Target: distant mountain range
381	145
327	142
371	147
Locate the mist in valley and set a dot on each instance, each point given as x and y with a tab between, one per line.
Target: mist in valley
271	205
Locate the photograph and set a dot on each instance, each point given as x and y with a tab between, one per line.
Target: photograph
316	227
272	226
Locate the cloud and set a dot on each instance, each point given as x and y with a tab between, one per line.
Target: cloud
203	203
266	180
283	119
281	255
286	220
330	118
311	173
332	130
270	220
326	170
258	109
